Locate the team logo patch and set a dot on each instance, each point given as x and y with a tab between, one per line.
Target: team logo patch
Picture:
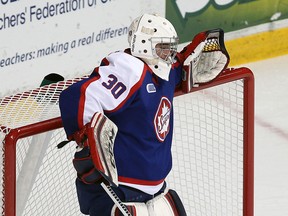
150	88
162	118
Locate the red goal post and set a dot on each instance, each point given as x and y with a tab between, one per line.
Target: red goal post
213	167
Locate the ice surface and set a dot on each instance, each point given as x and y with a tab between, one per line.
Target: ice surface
271	136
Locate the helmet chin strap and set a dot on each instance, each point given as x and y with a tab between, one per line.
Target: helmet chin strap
159	67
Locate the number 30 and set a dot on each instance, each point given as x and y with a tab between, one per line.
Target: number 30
117	88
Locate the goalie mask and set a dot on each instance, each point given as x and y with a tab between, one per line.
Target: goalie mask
154	39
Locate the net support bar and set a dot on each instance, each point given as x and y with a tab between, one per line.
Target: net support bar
11	138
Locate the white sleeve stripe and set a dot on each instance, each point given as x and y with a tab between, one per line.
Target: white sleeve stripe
126	70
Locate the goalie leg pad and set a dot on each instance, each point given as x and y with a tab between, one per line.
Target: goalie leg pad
135	209
165	204
173	198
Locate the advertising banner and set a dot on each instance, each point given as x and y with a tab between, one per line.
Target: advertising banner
68	37
193	16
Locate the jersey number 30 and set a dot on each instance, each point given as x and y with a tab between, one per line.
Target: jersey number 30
116	88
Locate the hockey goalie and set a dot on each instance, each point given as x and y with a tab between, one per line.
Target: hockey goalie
121	118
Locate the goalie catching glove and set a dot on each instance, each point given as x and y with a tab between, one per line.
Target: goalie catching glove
95	157
204	59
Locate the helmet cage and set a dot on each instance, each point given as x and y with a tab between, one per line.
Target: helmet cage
164	48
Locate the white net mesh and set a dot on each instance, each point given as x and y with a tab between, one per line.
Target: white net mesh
207	150
42	171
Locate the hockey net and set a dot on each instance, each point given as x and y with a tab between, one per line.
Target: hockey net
212	150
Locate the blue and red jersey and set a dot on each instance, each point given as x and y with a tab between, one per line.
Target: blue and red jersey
125	89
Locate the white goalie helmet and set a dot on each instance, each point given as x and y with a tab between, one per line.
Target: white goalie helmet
154	39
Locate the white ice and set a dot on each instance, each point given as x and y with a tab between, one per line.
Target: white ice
271	136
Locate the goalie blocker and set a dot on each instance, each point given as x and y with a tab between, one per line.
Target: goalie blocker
204	59
94	159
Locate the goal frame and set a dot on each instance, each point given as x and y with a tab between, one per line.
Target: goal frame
10	140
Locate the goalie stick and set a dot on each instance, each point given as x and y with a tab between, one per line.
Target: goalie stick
116	200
